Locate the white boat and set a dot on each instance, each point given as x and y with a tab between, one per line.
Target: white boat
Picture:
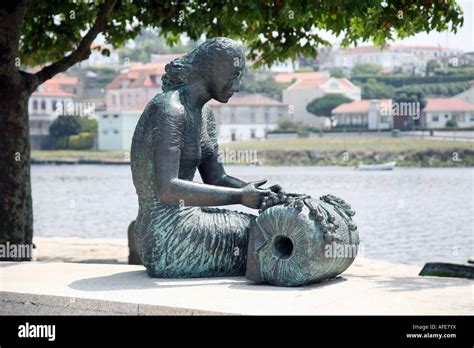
382	166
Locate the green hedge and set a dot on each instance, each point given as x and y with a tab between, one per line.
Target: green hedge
401	80
81	141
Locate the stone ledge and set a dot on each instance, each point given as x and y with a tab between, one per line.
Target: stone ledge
367	287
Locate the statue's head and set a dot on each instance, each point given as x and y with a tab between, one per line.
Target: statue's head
218	62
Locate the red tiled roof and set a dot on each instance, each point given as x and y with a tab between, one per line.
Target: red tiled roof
360	106
53	87
307	84
140	75
448	104
248	99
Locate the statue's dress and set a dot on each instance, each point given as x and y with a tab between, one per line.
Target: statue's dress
178	241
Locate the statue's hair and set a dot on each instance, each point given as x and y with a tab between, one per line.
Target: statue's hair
199	62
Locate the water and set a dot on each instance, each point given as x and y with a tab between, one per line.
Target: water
406	215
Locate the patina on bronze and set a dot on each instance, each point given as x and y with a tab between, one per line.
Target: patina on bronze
178	233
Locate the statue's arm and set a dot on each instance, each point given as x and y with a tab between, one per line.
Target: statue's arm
211	170
168	123
171	190
213	173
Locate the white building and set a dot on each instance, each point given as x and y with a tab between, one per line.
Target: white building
51	99
247	117
467	95
126	97
393	57
440	110
115	129
378	114
371	114
306	88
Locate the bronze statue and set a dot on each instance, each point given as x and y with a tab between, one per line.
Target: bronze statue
177	232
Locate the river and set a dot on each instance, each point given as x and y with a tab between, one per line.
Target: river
406	215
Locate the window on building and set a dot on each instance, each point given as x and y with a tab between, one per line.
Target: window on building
43	105
116	116
252	117
233	135
121	99
252	133
446	116
384	119
267	117
53	105
105	116
435	118
35	104
232	118
114	99
116	131
471	118
105	131
129	99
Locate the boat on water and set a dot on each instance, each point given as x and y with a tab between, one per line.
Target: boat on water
381	166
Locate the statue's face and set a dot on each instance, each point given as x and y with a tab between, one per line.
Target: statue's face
226	78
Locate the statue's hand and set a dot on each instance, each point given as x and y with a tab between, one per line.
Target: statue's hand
253	196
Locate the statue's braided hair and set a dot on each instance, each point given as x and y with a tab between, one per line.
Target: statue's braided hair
199	62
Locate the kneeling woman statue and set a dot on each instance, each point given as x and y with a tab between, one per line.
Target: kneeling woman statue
177	232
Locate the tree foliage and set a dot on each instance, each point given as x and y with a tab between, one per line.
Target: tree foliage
272	31
373	89
323	106
64	126
365	69
410	94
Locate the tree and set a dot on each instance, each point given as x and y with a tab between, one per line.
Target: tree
338	73
323	106
373	89
65	126
431	67
364	69
57	34
62	128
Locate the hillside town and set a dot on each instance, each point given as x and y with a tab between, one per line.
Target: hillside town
112	92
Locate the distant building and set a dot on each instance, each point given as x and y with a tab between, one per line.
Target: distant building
392	58
467	95
134	86
247	117
440	110
244	117
379	114
51	99
309	86
115	129
363	114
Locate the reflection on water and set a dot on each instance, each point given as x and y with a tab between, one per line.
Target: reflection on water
407	215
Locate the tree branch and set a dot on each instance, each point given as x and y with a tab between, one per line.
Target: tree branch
82	51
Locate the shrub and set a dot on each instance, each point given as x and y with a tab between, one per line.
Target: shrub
451	124
81	141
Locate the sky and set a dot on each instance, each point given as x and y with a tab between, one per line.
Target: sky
463	39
